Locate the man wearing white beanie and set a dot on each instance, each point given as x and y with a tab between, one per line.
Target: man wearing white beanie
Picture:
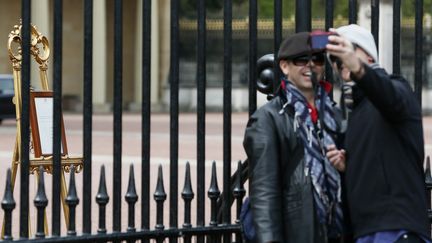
384	146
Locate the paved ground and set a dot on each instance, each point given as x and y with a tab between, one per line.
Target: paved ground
160	135
103	147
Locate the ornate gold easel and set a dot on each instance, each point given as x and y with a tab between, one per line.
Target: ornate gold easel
40	52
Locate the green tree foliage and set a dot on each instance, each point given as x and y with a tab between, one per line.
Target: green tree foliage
266	8
318	8
408	7
341	8
214	8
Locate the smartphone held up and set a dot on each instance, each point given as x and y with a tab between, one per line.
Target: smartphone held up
319	39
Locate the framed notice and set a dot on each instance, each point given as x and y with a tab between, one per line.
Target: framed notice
41	124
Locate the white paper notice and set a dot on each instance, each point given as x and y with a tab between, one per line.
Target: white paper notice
44	114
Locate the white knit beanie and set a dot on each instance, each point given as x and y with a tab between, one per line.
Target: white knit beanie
361	37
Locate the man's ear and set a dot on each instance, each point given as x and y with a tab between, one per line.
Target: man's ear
283	64
370	60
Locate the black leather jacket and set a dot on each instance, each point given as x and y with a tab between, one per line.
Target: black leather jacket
280	192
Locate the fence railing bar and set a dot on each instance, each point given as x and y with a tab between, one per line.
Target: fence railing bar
329	12
146	112
201	112
239	192
174	113
57	114
131	198
87	115
227	111
213	195
118	102
352	11
72	201
187	195
375	14
102	200
145	234
253	56
396	36
25	130
160	197
418	53
277	33
8	205
303	16
40	202
244	177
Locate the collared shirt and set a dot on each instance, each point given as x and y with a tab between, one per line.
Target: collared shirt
386	237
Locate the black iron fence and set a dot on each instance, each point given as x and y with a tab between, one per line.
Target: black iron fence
222	225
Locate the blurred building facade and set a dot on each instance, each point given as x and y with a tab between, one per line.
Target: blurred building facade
73	43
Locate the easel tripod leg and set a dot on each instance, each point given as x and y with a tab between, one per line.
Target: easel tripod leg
63	198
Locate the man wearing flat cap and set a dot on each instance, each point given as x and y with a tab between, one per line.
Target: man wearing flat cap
385	186
295	193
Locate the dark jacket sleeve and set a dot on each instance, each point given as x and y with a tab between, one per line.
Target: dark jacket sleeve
391	94
262	148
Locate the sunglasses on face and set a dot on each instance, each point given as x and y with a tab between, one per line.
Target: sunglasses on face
317	59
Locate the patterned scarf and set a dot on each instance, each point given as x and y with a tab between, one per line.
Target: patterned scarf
325	178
